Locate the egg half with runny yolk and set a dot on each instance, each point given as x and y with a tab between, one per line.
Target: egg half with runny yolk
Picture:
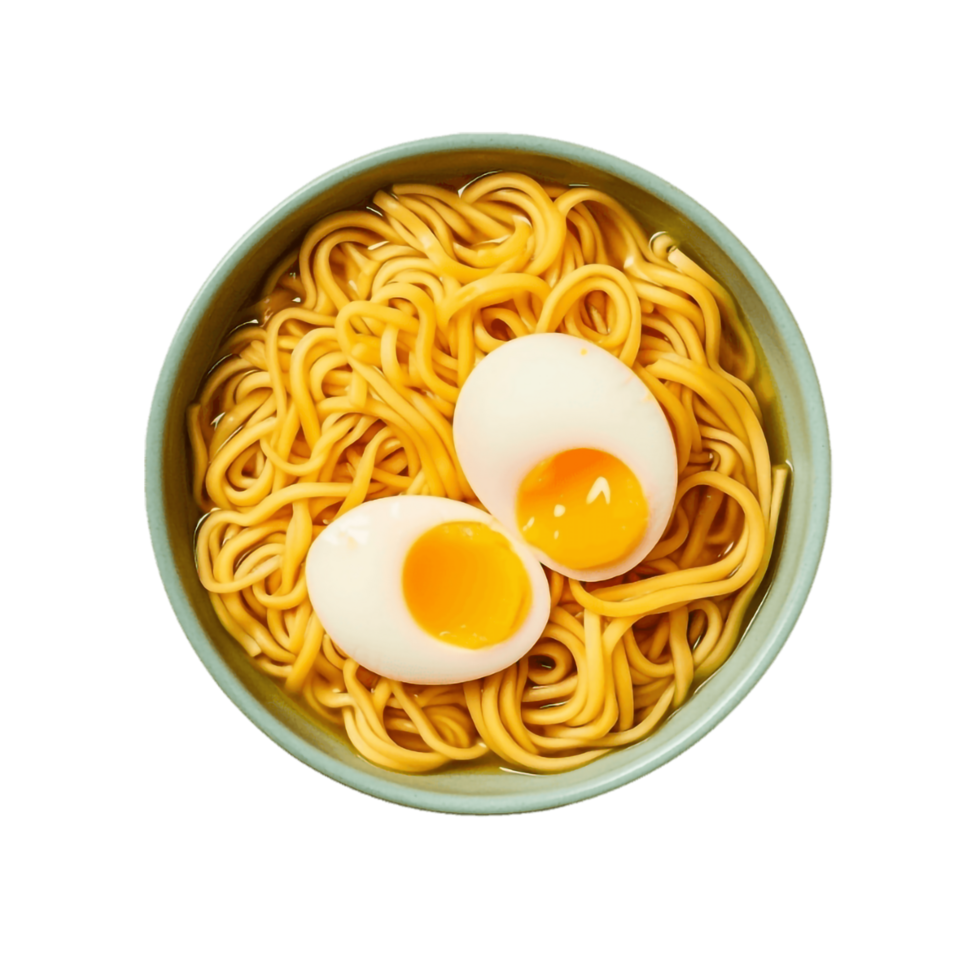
427	590
570	451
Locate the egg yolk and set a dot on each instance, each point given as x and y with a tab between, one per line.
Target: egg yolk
464	584
583	508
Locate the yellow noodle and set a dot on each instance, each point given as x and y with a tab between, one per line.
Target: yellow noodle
339	387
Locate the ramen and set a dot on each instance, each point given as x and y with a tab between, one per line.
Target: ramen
484	475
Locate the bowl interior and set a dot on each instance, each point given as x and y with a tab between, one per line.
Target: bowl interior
793	417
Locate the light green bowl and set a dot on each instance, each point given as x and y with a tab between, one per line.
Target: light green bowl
794	418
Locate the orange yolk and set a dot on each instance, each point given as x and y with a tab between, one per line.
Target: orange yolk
464	584
583	508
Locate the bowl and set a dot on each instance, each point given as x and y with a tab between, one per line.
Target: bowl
793	417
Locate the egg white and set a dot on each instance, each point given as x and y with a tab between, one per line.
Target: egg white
354	578
543	394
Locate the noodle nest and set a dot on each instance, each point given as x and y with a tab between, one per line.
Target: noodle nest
339	387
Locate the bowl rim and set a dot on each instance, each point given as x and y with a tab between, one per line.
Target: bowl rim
539	795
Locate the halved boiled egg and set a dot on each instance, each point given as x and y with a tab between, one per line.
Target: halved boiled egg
570	451
426	590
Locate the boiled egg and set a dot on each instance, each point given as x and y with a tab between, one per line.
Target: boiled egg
426	590
570	451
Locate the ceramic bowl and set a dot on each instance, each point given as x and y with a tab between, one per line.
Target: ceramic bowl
793	415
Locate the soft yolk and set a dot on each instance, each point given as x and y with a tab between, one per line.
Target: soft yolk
464	584
583	508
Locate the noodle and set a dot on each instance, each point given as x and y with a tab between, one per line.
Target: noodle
339	388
